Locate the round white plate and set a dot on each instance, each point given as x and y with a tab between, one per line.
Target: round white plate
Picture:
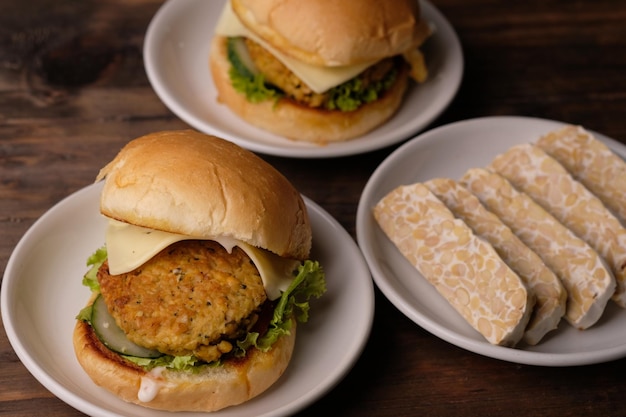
449	151
176	56
42	293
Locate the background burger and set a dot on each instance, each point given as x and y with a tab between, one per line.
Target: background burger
317	70
203	276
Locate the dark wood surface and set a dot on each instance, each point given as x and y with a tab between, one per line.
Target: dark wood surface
73	90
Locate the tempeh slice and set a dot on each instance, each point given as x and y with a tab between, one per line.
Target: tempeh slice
588	282
549	293
547	182
463	268
592	163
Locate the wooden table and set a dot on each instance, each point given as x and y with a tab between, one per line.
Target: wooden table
73	90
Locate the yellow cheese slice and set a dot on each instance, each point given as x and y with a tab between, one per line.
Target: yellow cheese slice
129	247
319	79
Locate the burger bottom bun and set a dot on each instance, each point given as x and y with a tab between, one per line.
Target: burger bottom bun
297	122
213	388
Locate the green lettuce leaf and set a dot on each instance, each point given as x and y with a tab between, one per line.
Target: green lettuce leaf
253	86
90	279
187	363
352	94
293	303
85	314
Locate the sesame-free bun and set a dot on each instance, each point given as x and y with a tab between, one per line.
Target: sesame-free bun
202	186
299	122
233	382
335	33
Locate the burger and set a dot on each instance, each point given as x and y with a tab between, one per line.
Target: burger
317	70
203	277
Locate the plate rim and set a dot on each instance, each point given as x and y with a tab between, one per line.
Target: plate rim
331	226
365	226
304	150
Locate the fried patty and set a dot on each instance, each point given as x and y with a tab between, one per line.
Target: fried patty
278	74
193	298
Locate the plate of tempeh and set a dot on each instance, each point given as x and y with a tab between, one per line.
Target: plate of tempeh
505	236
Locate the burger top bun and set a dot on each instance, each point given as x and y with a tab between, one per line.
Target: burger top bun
198	185
334	33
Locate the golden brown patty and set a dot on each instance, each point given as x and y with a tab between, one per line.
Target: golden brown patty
188	299
278	74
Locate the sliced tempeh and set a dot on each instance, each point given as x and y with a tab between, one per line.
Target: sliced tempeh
547	182
592	163
463	268
549	293
588	282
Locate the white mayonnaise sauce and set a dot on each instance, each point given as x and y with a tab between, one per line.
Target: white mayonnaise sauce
150	384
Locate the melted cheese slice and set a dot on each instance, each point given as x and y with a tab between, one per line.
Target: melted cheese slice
129	247
319	79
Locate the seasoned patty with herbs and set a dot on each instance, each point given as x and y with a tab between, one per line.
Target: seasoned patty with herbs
190	299
367	86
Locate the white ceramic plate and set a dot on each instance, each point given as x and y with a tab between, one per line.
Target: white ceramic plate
176	52
42	293
449	151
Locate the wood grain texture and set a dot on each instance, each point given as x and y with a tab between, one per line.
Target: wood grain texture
73	90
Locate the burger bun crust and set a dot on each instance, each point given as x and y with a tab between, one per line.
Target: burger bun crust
201	186
335	33
213	388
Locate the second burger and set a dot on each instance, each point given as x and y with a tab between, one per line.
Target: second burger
317	71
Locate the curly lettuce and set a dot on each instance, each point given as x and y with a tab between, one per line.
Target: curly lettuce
353	93
90	279
293	304
95	261
243	80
